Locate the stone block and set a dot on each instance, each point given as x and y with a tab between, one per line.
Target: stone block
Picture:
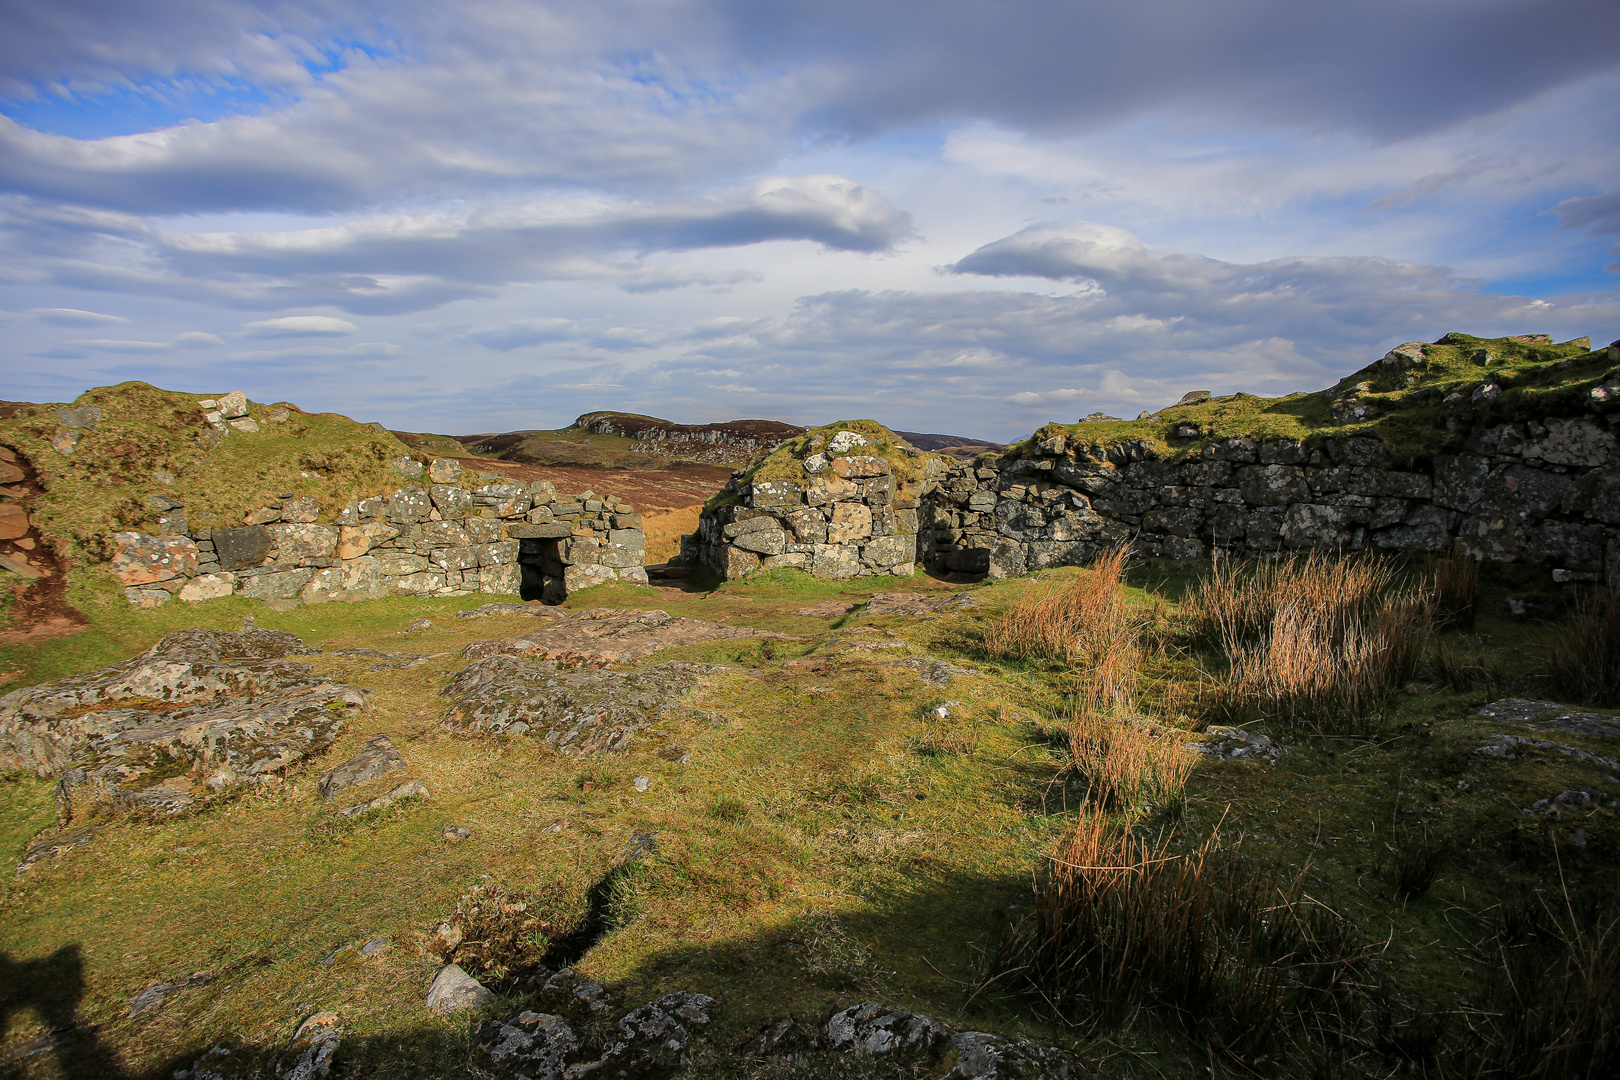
408	467
836	561
242	547
139	559
905	522
444	534
845	441
295	543
887	551
502	580
482	530
444	471
859	467
754	522
1241	448
451	502
809	525
539	515
232	406
1357	451
850	522
576	578
1283	452
498	553
627	521
455	558
277	585
774	493
301	510
208	587
551	530
821	490
407	506
1578	442
769	541
1313	525
796	559
1272	485
399	563
423	583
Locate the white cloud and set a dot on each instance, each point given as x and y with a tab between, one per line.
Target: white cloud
301	326
365	350
74	317
118	346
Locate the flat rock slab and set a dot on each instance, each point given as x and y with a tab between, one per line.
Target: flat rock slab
201	711
1546	716
378	759
1511	746
597	637
53	844
410	789
916	605
827	609
534	608
576	710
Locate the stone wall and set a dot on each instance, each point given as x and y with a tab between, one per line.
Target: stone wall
442	539
1545	492
846	517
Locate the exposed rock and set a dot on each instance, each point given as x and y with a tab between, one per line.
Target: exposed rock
917	605
877	1029
934	672
599	636
1194	397
1510	746
1545	716
378	759
1231	743
311	1049
453	990
224	708
241	548
153	996
411	789
845	441
826	609
455	834
53	844
1568	802
140	560
534	1045
576	710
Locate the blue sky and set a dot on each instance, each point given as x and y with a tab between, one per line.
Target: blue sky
950	216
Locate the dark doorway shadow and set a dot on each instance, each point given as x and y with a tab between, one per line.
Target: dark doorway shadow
51	987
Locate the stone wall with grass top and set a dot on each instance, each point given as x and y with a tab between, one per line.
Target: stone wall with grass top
839	502
1522	464
448	534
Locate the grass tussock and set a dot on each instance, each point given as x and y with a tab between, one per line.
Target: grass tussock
496	930
1121	924
1456	589
1319	644
1129	765
1583	654
1549	1004
1466	672
1085	623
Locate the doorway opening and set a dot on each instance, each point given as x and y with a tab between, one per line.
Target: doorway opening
540	562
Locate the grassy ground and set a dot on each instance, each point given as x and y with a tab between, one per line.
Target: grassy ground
830	839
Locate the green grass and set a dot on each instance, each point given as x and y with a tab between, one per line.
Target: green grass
818	849
1412	422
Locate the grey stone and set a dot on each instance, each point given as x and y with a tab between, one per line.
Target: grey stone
311	1050
763	541
276	585
773	493
451	502
242	547
300	510
411	789
85	417
1272	485
453	990
378	759
408	467
294	543
1231	743
444	471
877	1029
551	530
408	505
1194	397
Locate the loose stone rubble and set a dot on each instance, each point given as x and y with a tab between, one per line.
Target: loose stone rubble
199	712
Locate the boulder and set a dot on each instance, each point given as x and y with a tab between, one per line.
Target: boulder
860	467
408	505
451	502
453	990
233	405
850	522
845	441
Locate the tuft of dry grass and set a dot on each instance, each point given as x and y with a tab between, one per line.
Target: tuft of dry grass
1583	655
665	528
1121	924
1128	765
1319	643
1456	589
1085	623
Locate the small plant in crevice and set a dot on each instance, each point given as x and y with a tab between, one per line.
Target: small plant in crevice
1583	654
1230	947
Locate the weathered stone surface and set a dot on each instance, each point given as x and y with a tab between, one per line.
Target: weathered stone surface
453	990
85	417
597	636
836	561
311	1050
13	521
410	789
208	587
850	522
294	543
773	493
763	541
877	1029
351	581
233	709
451	502
502	580
887	552
139	559
552	530
859	467
397	563
408	467
408	505
444	471
844	441
378	759
1273	485
573	710
276	585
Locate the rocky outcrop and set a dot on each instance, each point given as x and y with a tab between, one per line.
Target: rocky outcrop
575	710
597	637
733	442
440	540
199	712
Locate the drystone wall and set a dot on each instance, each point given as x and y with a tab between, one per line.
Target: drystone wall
1545	492
1541	492
443	539
847	517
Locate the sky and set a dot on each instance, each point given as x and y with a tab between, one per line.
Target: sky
951	216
